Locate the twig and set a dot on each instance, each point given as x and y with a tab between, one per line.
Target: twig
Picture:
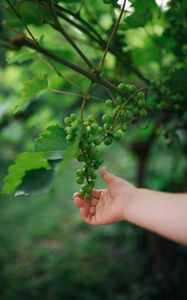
101	65
85	99
68	37
21	20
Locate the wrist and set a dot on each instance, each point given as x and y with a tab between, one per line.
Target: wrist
131	201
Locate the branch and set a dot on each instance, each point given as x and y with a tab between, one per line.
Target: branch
21	20
21	40
58	27
101	65
86	96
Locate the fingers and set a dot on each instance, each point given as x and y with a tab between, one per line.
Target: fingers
107	177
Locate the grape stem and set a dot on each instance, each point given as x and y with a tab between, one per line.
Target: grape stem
101	65
86	96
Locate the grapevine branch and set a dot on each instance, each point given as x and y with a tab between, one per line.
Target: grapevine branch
58	27
21	20
20	40
101	65
85	99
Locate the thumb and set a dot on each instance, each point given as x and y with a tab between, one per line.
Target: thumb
107	177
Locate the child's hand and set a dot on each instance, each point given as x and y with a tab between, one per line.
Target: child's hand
108	205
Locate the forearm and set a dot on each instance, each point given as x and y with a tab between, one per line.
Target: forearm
162	213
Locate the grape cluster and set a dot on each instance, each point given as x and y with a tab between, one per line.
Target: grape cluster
113	125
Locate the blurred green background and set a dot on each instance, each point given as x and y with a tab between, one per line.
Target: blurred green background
46	250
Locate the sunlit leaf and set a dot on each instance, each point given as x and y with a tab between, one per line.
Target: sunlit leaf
23	163
31	89
52	142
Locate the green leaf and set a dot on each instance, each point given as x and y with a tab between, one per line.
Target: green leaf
52	142
24	162
35	182
22	55
142	15
32	88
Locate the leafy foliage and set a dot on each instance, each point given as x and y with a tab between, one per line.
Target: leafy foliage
24	162
52	142
30	89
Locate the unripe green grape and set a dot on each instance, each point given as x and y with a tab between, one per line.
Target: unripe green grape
100	130
106	118
67	121
131	88
119	99
122	87
118	135
141	95
129	113
91	184
94	127
73	117
143	113
69	138
109	103
124	128
80	158
88	129
97	140
108	141
135	111
93	175
91	118
99	161
96	165
93	151
84	187
142	103
80	173
80	180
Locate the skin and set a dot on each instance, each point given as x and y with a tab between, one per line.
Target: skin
162	213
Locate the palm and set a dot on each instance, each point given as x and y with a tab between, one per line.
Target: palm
107	205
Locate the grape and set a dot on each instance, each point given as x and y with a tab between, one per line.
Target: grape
67	121
118	135
109	103
108	141
106	118
73	117
143	112
91	118
80	173
80	180
140	95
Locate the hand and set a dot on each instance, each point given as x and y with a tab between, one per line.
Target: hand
108	205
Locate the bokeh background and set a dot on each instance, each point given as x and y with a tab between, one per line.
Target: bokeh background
46	250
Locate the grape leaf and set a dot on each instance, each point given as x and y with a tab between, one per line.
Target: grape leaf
142	15
52	142
35	182
31	88
23	163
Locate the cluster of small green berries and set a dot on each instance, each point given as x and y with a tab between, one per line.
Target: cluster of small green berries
87	153
71	123
119	112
